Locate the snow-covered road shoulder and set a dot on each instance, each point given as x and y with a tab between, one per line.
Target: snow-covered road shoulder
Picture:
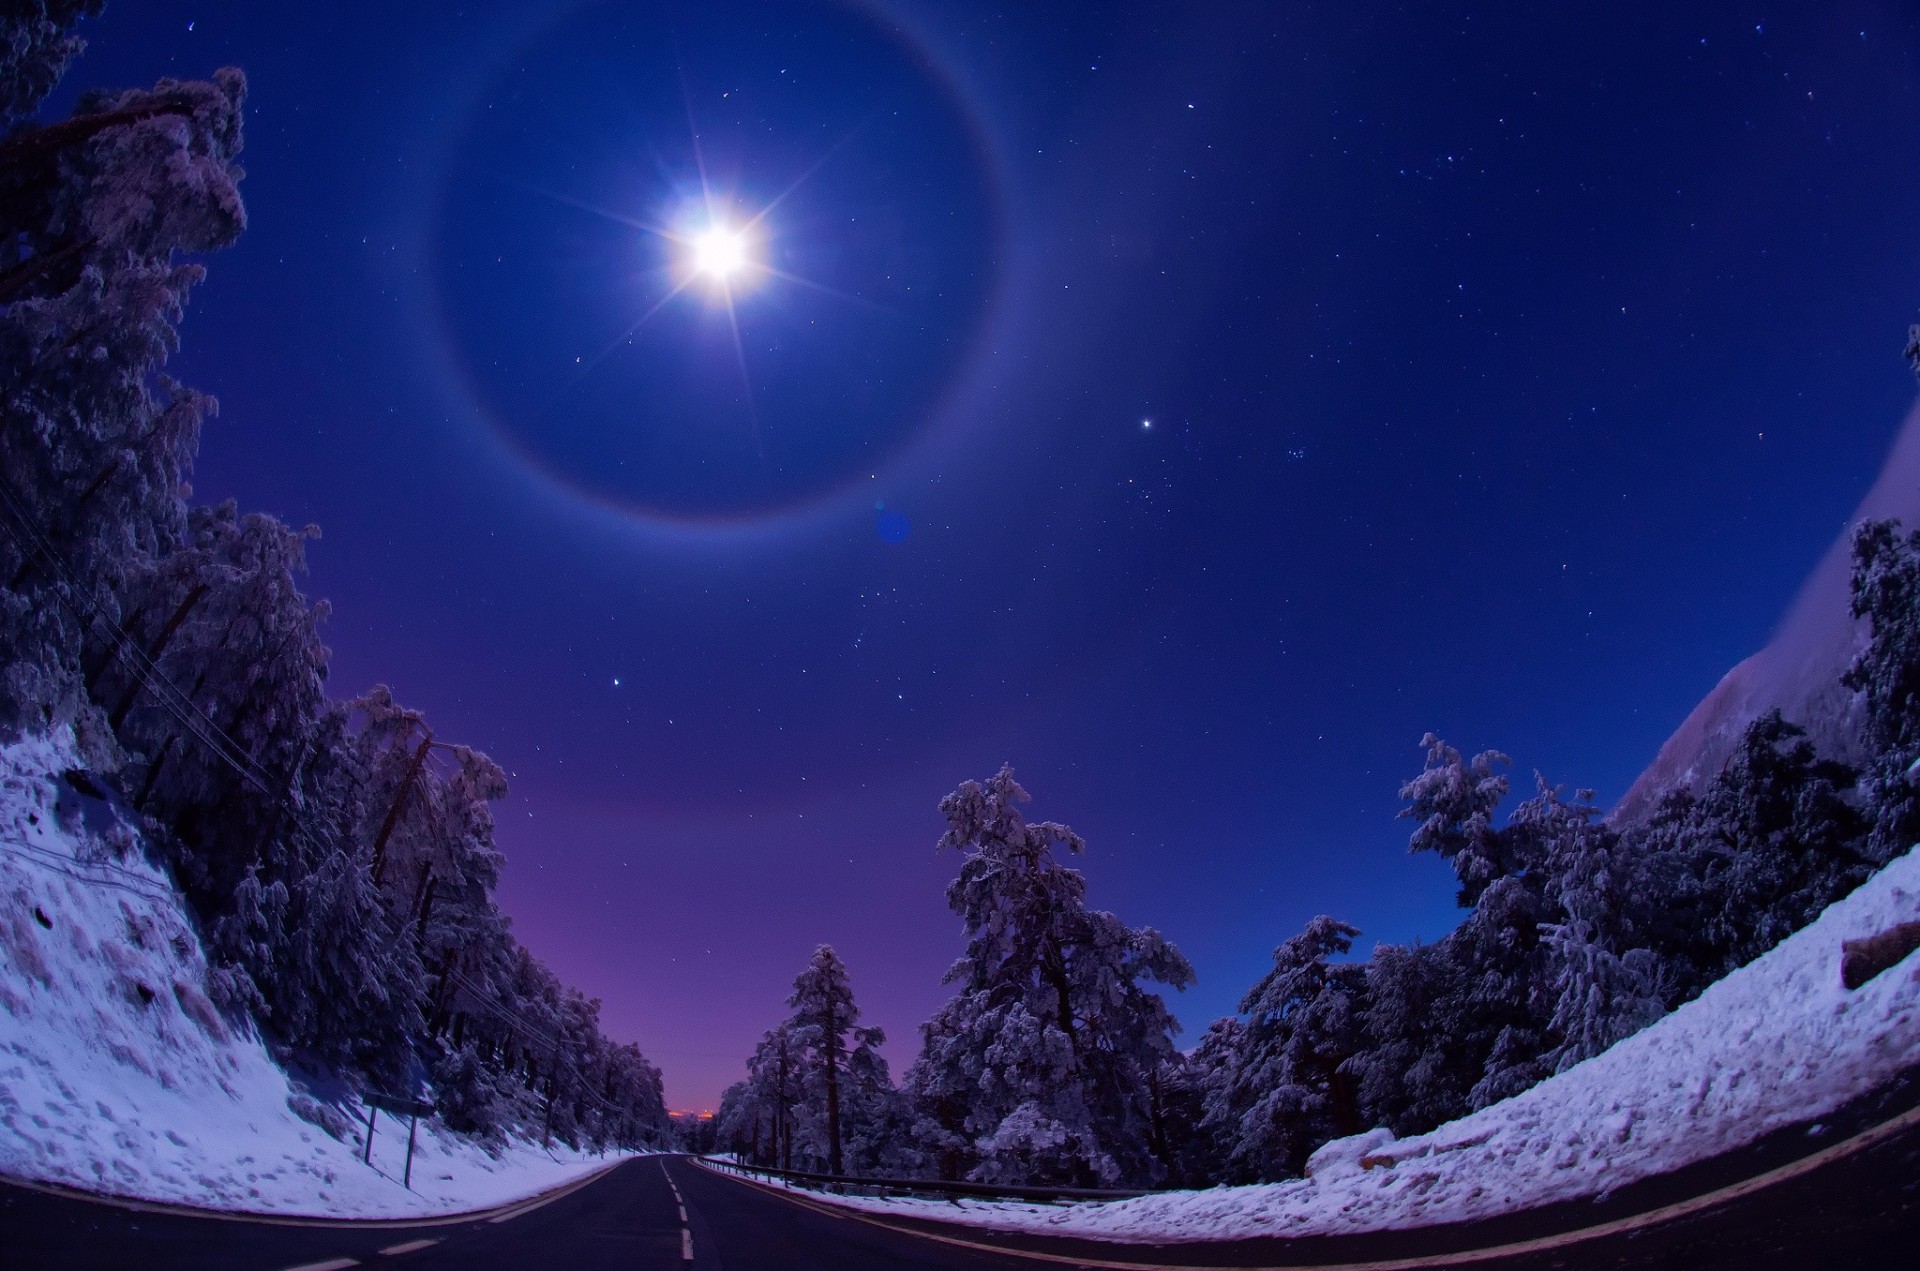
1777	1043
117	1074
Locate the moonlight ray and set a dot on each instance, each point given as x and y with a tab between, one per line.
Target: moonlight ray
800	180
587	369
746	383
823	289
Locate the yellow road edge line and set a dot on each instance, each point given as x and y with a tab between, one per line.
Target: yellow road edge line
410	1246
512	1209
1540	1244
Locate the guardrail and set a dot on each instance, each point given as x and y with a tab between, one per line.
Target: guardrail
937	1188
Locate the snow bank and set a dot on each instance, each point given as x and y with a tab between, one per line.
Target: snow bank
116	1072
1776	1043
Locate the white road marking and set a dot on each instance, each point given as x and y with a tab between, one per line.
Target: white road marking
332	1264
686	1233
411	1246
527	1208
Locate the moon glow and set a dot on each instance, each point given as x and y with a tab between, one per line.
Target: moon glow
719	253
840	255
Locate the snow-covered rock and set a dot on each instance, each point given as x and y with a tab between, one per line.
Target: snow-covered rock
1777	1043
118	1075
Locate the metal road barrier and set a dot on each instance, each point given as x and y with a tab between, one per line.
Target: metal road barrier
937	1188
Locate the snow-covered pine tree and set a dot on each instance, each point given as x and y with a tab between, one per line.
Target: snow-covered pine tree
873	1113
1886	673
1781	841
95	443
1607	982
178	645
823	1015
37	41
779	1074
224	621
1454	801
1503	1018
1289	1089
1195	1092
1417	1065
1040	1067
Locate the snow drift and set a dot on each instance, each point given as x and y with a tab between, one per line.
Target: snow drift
1774	1044
118	1075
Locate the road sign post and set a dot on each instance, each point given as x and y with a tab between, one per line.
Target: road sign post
399	1106
413	1124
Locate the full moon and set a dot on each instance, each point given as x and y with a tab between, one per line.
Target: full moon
719	252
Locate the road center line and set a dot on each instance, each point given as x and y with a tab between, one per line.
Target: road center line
686	1245
331	1264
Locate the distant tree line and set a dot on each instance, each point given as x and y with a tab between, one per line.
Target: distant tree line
1053	1063
338	855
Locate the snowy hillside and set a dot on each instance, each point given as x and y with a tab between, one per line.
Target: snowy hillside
1799	669
118	1075
1776	1043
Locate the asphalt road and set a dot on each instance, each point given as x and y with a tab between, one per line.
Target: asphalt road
629	1219
1858	1209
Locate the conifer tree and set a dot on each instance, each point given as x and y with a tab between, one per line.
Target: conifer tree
176	643
824	1014
1040	1067
1289	1089
1886	673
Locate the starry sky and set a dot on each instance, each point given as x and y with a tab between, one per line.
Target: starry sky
1189	404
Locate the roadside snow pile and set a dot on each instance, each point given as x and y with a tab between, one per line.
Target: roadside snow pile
1776	1043
118	1075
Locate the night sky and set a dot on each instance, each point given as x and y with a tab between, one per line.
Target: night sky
1507	367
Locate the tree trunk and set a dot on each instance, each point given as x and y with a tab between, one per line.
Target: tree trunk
426	909
1346	1115
43	143
160	643
112	651
393	812
153	773
1157	1122
832	1052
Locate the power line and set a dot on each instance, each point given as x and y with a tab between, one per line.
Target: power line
205	729
59	864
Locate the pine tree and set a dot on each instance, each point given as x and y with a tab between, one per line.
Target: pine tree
1418	1063
874	1114
1289	1089
779	1074
1606	982
177	644
1886	673
1040	1066
1454	802
824	1012
95	443
1781	841
37	40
